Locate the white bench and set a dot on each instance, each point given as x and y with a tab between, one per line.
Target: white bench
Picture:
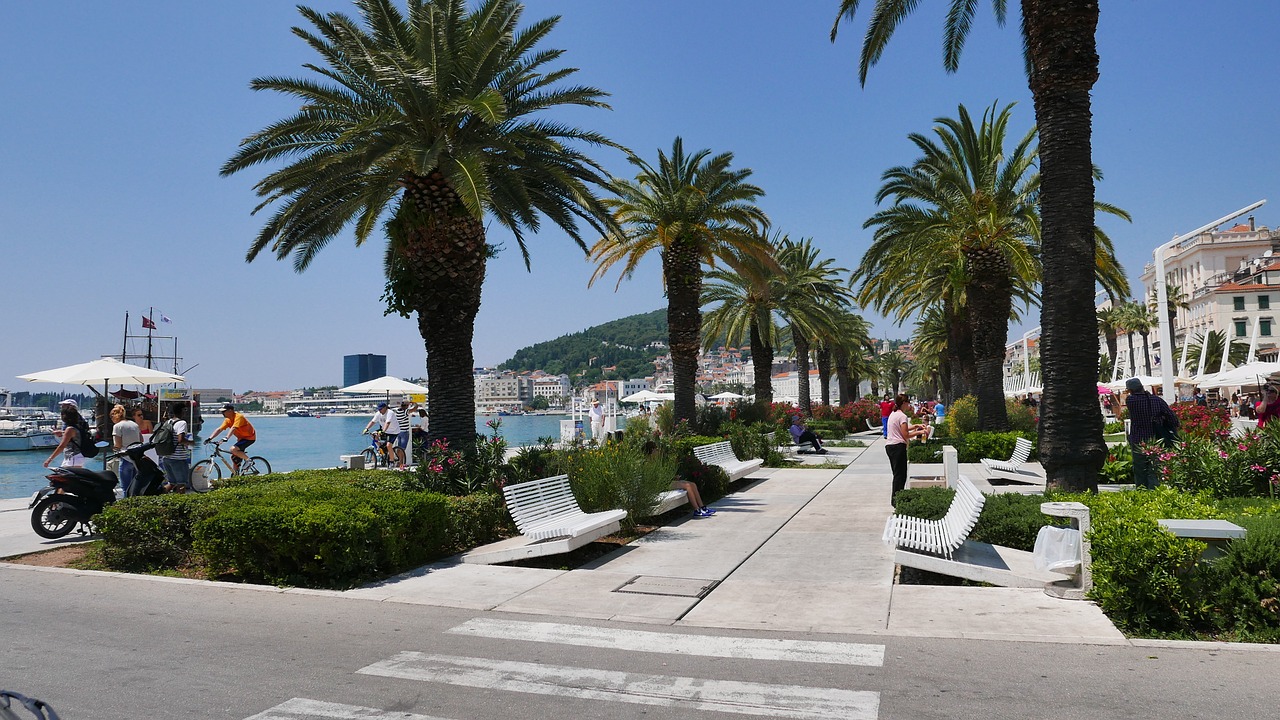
546	509
1215	534
670	500
939	537
548	515
721	455
1021	453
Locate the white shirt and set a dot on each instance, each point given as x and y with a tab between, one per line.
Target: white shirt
380	419
597	414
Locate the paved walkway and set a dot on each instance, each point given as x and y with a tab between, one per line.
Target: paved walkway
798	550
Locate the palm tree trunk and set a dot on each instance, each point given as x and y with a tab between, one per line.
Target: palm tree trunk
960	354
1132	368
682	269
761	366
802	371
990	294
1112	344
1146	352
824	374
1062	47
443	260
844	376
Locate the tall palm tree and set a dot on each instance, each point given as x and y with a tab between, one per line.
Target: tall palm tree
851	350
1109	325
811	295
1140	319
742	294
1125	319
931	346
1236	355
965	210
1060	51
894	366
694	210
1175	299
430	120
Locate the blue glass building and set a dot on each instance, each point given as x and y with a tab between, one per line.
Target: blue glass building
362	368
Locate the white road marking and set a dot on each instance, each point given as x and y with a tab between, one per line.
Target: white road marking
655	642
304	709
789	701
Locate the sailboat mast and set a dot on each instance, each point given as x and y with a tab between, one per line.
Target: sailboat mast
151	325
124	345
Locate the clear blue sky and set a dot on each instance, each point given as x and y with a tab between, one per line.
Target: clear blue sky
117	116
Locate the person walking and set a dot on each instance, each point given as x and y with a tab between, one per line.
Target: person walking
898	433
886	409
403	430
177	465
124	432
69	444
1149	419
597	421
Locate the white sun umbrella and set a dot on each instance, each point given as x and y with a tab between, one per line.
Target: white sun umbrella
727	396
106	371
642	396
1254	373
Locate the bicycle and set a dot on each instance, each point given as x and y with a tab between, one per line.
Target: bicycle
376	454
211	471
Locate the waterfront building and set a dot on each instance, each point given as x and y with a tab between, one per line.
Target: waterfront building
786	387
362	368
497	390
555	388
1227	281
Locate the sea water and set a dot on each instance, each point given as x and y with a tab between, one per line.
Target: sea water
287	443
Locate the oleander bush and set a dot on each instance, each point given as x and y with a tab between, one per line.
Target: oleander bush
1022	419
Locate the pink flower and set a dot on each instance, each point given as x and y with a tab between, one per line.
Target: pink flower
1222	455
1242	446
1257	468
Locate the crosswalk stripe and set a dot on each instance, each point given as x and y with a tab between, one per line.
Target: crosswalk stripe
790	701
304	709
655	642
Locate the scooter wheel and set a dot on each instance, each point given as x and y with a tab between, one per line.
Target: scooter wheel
54	517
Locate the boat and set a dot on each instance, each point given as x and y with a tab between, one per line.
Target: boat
19	435
299	412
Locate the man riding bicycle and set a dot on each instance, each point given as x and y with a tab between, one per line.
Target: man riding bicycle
381	418
240	427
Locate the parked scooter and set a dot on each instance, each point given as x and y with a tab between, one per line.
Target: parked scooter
76	494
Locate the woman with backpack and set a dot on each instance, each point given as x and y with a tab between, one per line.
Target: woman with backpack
69	447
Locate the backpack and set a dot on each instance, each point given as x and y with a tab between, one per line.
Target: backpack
84	440
163	439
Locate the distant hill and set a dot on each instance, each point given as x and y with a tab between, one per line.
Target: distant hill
620	342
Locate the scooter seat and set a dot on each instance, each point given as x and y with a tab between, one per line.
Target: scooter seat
105	478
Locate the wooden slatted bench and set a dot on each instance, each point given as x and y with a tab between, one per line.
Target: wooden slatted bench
721	455
938	537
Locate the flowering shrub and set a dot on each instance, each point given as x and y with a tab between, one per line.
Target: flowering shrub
453	472
1221	465
1200	421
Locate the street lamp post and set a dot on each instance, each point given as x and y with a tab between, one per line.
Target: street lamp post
1162	297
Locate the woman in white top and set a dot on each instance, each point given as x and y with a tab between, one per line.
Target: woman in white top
898	433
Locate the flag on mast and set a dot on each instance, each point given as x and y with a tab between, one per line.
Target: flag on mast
146	323
164	318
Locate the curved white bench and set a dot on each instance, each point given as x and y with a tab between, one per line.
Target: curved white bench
939	537
721	455
546	509
1021	453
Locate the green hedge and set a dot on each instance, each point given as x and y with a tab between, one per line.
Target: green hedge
332	529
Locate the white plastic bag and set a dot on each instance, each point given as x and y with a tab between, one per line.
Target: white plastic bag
1057	549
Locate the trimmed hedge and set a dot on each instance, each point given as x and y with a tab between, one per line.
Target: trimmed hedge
323	528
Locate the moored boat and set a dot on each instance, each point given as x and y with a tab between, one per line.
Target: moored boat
18	435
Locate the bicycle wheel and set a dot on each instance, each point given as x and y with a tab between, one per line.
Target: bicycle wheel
370	458
257	465
204	474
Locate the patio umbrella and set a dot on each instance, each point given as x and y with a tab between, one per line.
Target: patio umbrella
1254	373
106	371
727	396
385	384
642	396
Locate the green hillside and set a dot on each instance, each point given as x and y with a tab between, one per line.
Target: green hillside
620	342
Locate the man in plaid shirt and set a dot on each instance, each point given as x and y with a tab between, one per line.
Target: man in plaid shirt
1149	419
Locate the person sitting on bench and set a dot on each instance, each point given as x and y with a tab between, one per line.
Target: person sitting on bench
801	434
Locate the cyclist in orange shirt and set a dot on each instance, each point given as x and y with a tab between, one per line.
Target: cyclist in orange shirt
240	427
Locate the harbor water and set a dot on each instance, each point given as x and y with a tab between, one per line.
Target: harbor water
287	443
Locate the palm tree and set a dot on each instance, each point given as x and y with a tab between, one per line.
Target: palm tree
1175	299
930	344
694	210
1109	325
742	294
810	296
1140	319
850	353
965	210
1060	51
894	366
1237	355
430	120
1125	323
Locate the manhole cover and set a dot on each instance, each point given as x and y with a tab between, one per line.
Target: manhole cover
677	587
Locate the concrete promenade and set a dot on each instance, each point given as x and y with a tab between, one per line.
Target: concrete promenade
797	550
